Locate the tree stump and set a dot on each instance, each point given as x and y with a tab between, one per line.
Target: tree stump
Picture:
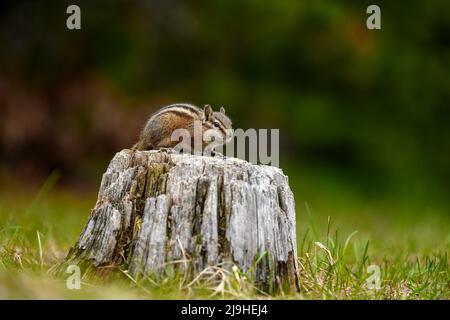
157	207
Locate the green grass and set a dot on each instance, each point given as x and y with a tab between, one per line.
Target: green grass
340	234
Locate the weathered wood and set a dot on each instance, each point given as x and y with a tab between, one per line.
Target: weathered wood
155	208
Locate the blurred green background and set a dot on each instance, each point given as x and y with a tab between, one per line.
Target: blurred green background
363	114
363	118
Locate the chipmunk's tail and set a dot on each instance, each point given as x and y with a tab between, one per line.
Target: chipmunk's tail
140	147
135	147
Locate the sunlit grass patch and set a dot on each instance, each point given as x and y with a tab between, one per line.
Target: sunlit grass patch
336	249
341	267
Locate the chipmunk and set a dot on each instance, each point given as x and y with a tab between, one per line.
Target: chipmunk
204	125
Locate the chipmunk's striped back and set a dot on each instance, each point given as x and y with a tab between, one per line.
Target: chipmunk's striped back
158	130
181	109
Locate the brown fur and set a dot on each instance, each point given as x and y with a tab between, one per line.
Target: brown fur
158	130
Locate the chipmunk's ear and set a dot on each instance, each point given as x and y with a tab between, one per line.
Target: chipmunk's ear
222	110
208	112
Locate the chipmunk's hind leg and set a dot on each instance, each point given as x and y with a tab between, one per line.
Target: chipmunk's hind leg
166	149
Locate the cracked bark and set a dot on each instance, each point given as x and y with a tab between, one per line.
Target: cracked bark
156	208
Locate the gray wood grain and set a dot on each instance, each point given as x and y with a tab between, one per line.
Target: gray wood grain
155	208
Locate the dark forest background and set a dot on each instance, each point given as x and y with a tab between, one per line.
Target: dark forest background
362	110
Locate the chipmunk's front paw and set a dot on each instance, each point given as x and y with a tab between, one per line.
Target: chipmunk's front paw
216	154
209	153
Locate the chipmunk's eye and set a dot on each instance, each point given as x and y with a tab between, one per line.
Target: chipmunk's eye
217	124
